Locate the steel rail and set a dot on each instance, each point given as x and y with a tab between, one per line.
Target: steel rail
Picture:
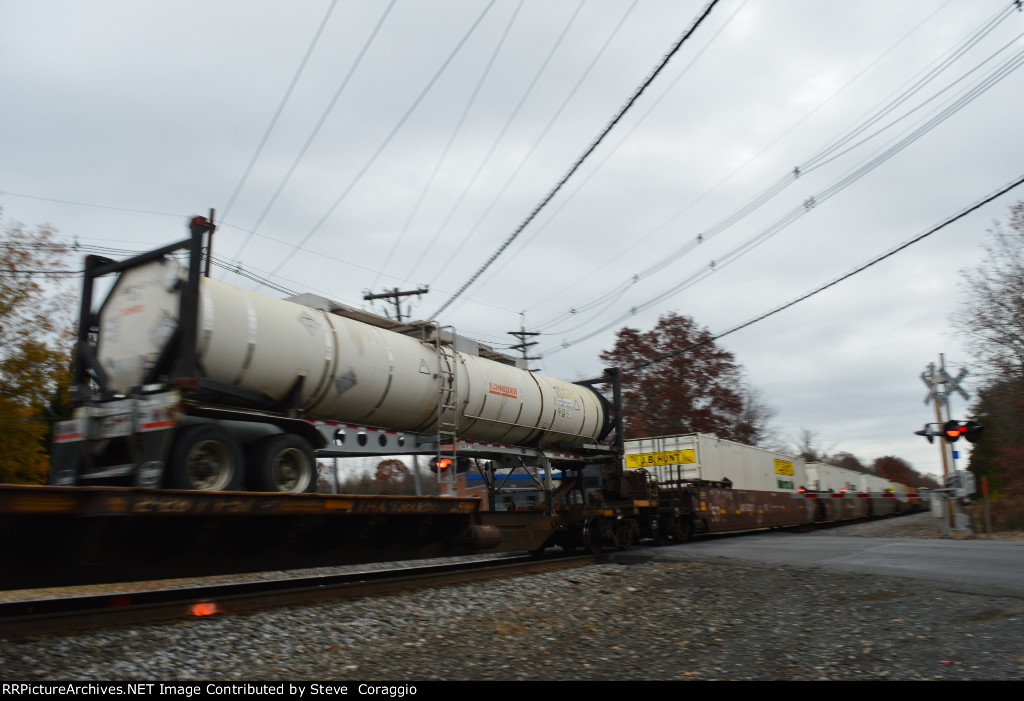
77	612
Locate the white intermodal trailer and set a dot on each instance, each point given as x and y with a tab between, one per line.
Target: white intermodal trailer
704	457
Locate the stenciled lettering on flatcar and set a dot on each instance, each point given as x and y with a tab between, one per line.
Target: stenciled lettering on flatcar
163	505
412	507
232	506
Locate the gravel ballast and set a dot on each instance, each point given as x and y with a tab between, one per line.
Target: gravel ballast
626	620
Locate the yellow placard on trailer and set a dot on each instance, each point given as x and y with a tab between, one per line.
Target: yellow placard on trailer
783	467
668	457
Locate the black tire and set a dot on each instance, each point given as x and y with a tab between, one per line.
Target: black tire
206	459
283	462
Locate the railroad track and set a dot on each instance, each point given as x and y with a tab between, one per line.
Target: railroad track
76	611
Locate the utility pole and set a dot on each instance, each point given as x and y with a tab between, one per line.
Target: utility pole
209	242
940	387
394	297
523	346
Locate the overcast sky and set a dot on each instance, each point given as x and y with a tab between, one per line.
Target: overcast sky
420	135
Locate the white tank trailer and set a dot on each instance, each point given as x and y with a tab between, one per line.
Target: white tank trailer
270	380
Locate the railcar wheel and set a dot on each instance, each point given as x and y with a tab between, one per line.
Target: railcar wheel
660	531
207	459
626	534
593	540
665	528
820	512
283	462
682	530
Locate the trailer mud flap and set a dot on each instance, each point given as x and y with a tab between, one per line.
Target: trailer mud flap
65	463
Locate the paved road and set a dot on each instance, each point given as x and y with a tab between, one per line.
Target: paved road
996	567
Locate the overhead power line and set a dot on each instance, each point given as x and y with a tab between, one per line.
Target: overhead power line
846	276
380	149
609	153
888	105
566	100
280	109
448	146
611	125
92	205
316	129
604	301
471	183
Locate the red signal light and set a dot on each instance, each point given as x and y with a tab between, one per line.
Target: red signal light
971	430
443	463
952	430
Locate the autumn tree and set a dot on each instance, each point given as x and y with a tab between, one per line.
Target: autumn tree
35	341
392	477
899	470
895	470
999	407
390	470
991	317
667	391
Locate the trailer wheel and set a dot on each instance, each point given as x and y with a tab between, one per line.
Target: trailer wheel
205	458
282	463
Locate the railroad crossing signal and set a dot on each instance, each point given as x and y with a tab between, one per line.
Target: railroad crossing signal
971	430
952	430
941	386
442	465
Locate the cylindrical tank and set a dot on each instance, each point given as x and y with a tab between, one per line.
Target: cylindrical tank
353	372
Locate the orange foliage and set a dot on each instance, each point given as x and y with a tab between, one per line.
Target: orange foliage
35	327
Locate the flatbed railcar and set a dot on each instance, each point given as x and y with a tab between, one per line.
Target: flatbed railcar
670	488
60	536
64	536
